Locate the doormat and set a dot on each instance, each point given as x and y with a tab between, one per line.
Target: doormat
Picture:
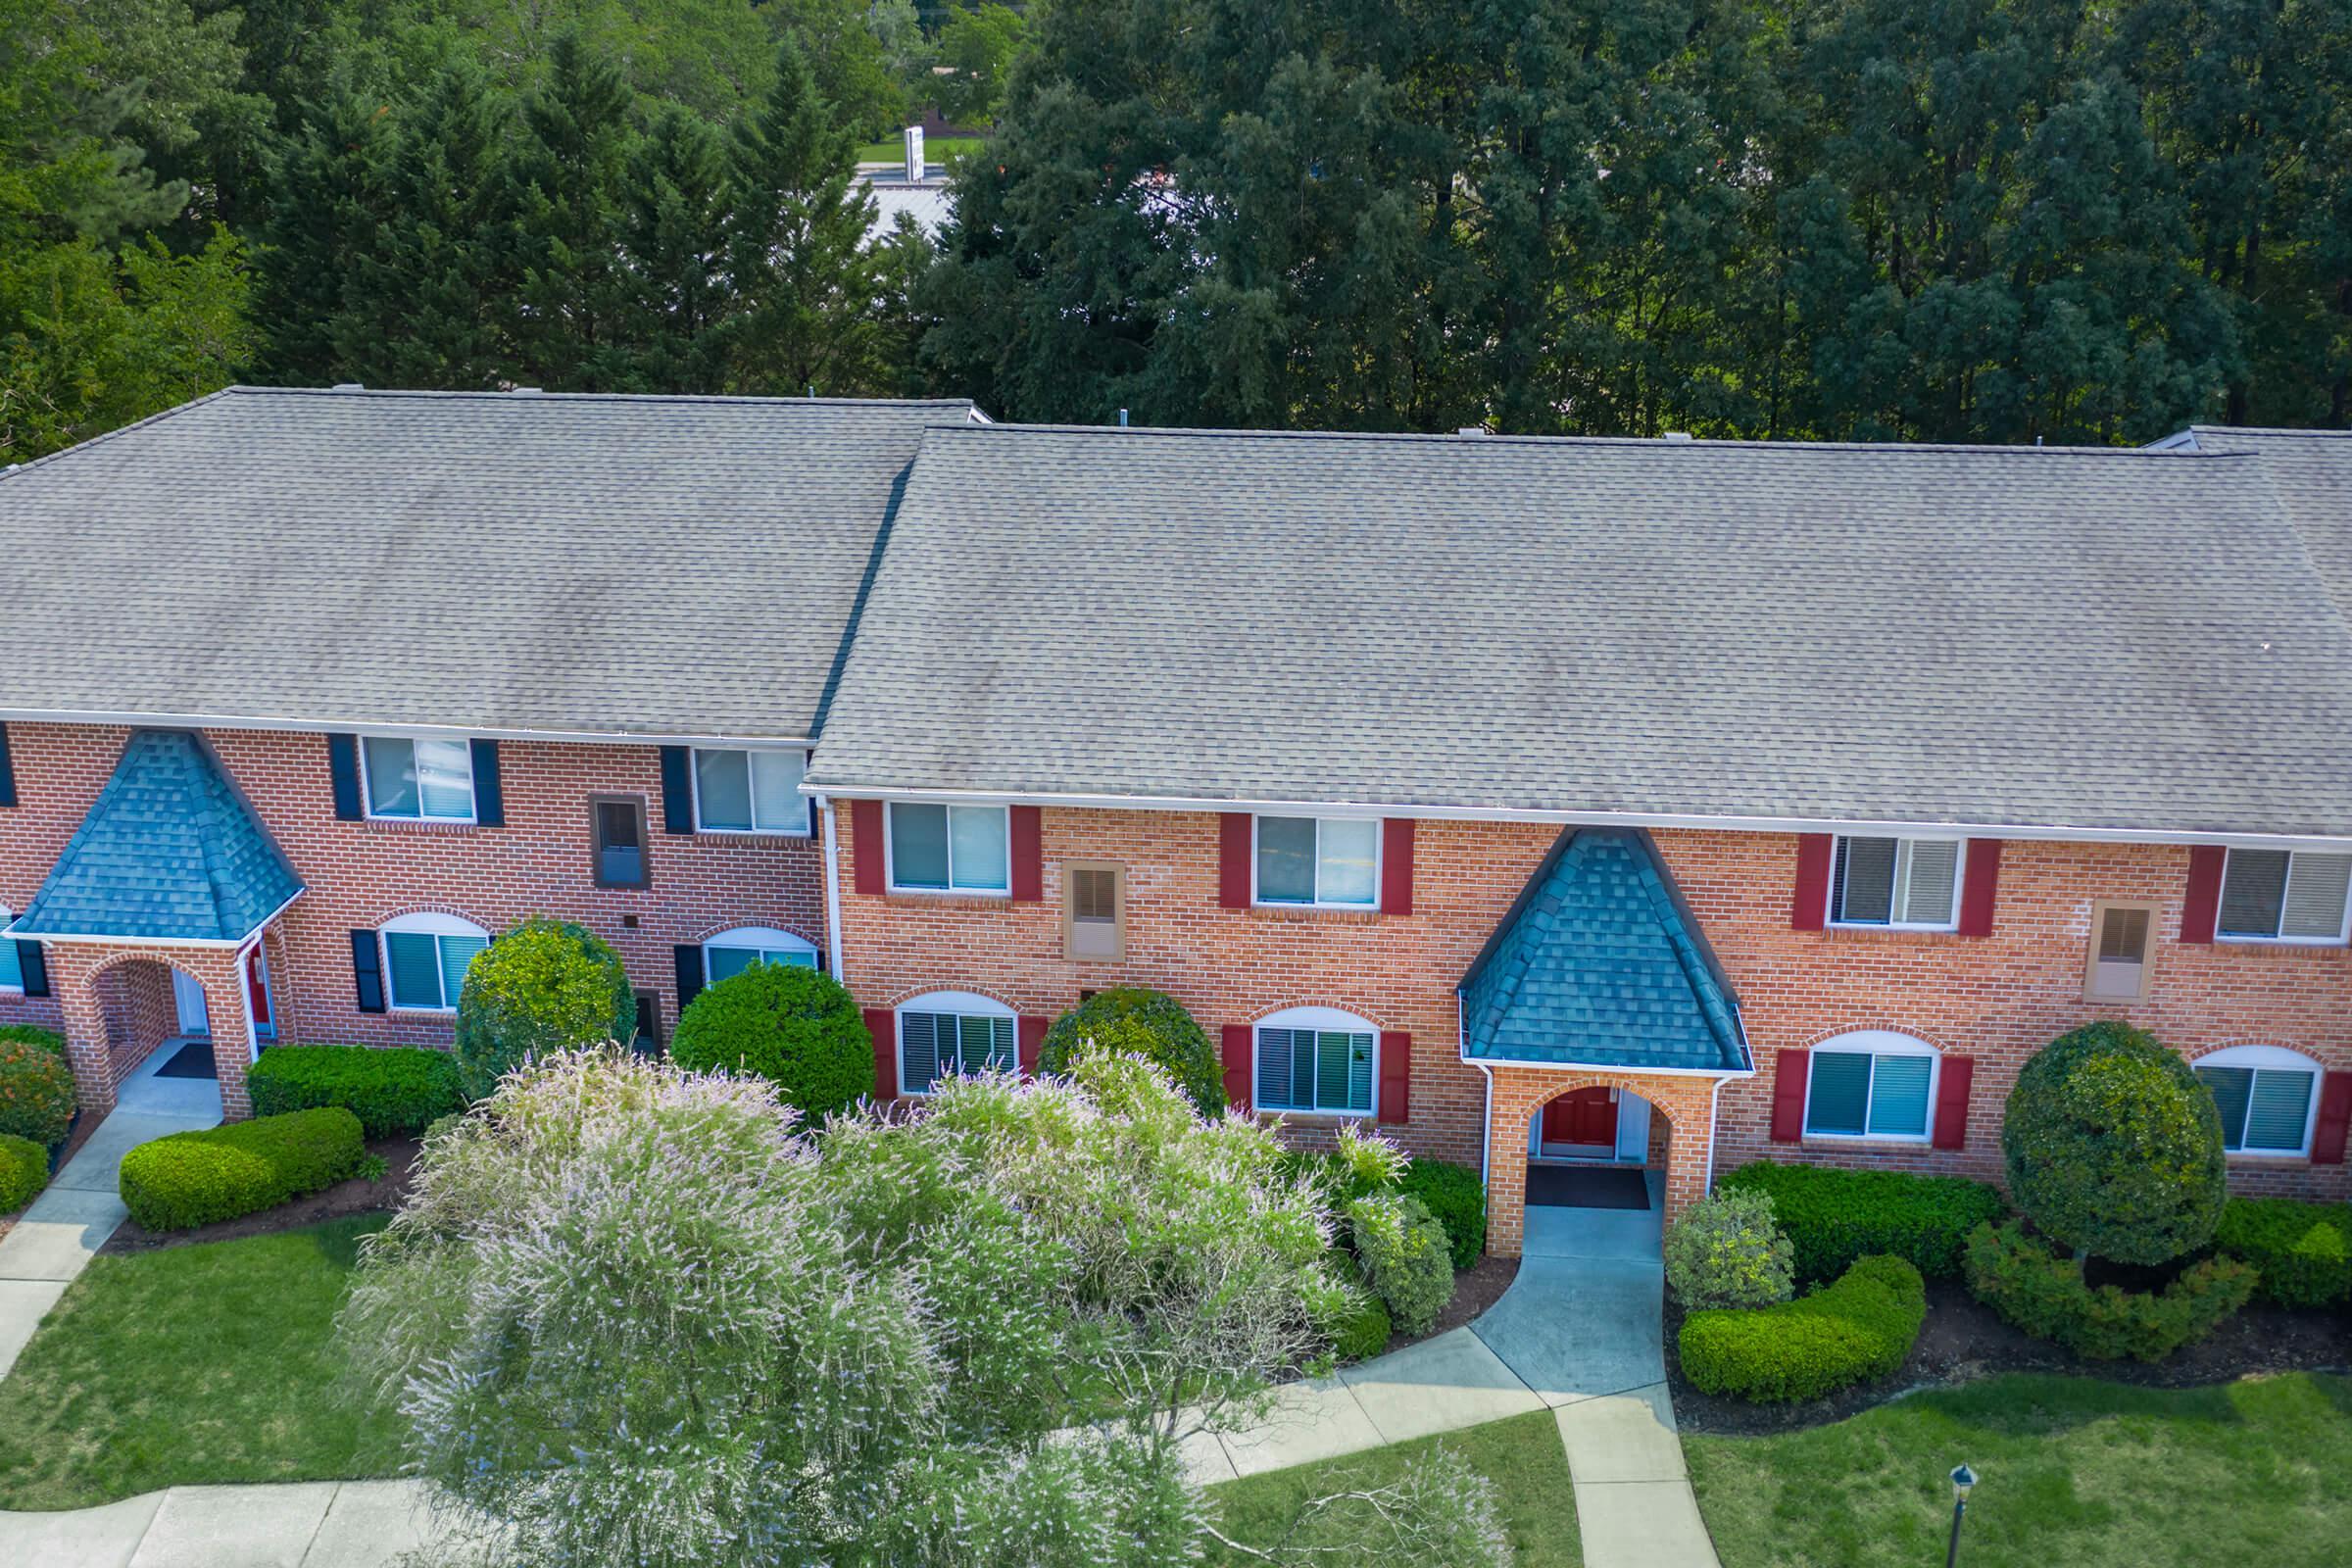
1566	1187
191	1060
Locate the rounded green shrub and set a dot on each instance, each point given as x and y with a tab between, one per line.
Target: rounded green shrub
200	1177
797	1029
541	987
2303	1252
1459	1199
1145	1023
1833	1216
23	1171
2045	1295
33	1034
1363	1334
1859	1328
2113	1147
36	1091
1403	1253
394	1090
1725	1251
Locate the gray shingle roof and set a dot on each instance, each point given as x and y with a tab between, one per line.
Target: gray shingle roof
482	560
2311	472
2119	640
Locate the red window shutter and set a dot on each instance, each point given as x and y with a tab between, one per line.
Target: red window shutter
2335	1117
883	1025
1233	859
1033	1040
1979	886
1952	1096
2204	907
1788	1070
1238	1039
1025	839
1811	909
1395	1074
865	845
1396	865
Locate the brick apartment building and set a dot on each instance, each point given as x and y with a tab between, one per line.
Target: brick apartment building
1665	803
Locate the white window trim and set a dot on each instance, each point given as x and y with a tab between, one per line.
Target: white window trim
960	1004
1896	899
2344	930
1875	1043
428	922
694	785
764	938
473	793
7	916
890	853
1379	851
2276	1059
1321	1019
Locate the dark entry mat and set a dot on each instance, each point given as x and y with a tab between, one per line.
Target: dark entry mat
1566	1187
191	1060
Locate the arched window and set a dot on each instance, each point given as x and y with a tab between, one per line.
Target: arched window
2268	1097
1873	1083
425	956
730	952
946	1034
1319	1061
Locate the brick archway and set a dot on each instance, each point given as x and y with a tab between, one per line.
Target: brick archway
1682	1104
117	1007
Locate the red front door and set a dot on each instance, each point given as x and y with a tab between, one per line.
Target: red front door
256	990
1586	1116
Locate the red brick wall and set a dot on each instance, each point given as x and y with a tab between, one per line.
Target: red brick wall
141	1010
1996	999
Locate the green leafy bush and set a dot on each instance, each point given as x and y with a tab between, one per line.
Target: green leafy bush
392	1090
33	1034
1363	1334
797	1029
2114	1148
1405	1259
23	1171
1860	1327
191	1179
540	987
36	1091
1833	1217
1458	1199
1725	1251
1145	1023
1358	1166
2044	1294
2303	1252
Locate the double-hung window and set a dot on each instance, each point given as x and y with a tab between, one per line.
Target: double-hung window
750	792
425	959
2282	896
2267	1097
1872	1085
950	1034
730	952
1316	1059
419	780
1908	884
1318	862
949	849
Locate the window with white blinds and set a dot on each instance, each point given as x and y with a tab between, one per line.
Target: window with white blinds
933	1045
1886	1091
2282	896
1326	1070
1908	884
2266	1096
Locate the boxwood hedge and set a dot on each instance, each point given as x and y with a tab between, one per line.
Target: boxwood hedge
393	1090
1861	1327
23	1171
200	1177
36	1091
2303	1252
1831	1218
1456	1196
2044	1294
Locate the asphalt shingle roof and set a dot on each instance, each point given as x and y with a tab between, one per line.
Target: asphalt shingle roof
2310	471
508	562
169	850
2032	638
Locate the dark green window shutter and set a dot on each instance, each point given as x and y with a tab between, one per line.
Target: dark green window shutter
489	804
368	971
677	789
688	959
8	772
35	964
343	763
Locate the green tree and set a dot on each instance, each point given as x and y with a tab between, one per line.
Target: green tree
800	1030
1139	1023
567	318
844	52
978	48
673	228
333	199
542	987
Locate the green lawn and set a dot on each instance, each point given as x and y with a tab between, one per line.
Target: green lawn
2071	1472
934	149
203	1363
1522	1457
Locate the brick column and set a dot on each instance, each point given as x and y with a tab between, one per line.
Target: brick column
72	973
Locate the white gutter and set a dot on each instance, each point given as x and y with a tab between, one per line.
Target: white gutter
16	930
824	806
387	726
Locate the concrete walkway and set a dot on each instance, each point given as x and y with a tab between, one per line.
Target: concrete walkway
320	1524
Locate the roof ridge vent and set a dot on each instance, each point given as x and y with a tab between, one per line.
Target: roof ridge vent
1677	435
349	386
1473	431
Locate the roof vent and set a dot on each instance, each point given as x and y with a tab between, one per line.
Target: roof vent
1471	430
349	386
1677	435
522	391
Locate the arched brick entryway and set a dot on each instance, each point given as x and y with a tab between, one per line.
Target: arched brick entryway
117	1000
1681	1105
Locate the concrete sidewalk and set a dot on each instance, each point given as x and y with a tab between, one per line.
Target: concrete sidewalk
323	1524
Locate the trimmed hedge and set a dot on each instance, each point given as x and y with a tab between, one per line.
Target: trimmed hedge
1833	1217
191	1179
2303	1252
36	1091
542	985
23	1171
797	1029
2044	1294
1861	1327
33	1034
393	1090
1457	1200
1145	1023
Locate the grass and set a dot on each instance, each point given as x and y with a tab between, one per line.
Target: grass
1522	1457
204	1363
934	149
2071	1473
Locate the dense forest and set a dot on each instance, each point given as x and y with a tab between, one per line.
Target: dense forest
1945	220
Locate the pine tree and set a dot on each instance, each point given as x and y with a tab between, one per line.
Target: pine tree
330	198
566	319
673	228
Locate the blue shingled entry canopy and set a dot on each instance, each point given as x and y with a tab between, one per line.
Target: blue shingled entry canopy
1599	963
170	851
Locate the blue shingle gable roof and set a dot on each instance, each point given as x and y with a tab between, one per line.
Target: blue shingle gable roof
169	851
1599	963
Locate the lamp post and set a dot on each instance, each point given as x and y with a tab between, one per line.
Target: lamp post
1962	1479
